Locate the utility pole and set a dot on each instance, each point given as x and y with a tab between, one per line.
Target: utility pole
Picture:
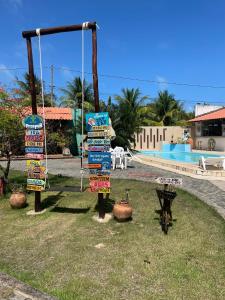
52	84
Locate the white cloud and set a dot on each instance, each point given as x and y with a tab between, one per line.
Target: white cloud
162	82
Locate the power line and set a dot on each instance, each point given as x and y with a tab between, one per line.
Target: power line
128	78
145	80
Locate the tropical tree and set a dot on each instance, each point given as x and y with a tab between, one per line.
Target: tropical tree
23	91
125	117
165	110
11	138
73	95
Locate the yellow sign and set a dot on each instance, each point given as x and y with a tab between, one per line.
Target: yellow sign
37	188
34	163
104	190
34	144
102	133
101	127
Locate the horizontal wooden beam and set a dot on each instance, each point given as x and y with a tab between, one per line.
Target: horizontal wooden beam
52	30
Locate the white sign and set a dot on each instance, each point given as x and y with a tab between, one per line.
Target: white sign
172	181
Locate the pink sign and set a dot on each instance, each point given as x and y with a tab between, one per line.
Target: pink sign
99	184
34	138
34	155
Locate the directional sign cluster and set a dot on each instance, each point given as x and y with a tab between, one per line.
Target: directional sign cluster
34	149
99	156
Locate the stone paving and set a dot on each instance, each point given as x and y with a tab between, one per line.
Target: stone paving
12	289
212	192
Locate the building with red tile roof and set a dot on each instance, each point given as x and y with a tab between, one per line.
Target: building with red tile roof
212	115
209	130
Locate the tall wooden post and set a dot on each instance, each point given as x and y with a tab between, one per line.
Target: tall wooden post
37	204
94	69
96	99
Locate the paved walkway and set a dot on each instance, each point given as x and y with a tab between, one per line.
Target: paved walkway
11	289
212	192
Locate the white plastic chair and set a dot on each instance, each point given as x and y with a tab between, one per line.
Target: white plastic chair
118	158
212	161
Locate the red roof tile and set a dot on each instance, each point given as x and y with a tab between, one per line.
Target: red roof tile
212	115
52	113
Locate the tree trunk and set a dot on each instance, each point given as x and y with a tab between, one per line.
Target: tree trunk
6	172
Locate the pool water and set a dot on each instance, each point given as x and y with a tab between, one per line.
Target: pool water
187	157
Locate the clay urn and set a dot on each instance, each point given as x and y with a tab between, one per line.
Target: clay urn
122	210
18	200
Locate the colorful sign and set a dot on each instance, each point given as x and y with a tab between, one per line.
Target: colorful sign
33	175
37	169
98	148
104	190
35	181
94	166
34	156
34	144
34	138
33	121
100	157
97	119
33	150
102	127
100	184
99	172
34	132
99	178
172	181
98	142
36	188
104	133
35	163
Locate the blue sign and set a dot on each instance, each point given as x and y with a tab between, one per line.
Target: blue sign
98	142
103	158
99	172
97	119
33	121
33	150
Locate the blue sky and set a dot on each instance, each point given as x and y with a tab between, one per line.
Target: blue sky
159	40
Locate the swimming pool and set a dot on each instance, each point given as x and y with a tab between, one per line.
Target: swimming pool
187	157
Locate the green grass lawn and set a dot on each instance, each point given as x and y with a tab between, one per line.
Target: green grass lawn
55	252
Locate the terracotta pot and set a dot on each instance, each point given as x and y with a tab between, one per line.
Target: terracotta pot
122	211
17	200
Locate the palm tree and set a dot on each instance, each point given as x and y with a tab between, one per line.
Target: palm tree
166	110
23	91
126	118
73	94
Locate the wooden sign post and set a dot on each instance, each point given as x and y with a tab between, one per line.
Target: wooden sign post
34	142
53	30
99	157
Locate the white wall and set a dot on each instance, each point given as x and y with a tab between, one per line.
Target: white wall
204	108
220	142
